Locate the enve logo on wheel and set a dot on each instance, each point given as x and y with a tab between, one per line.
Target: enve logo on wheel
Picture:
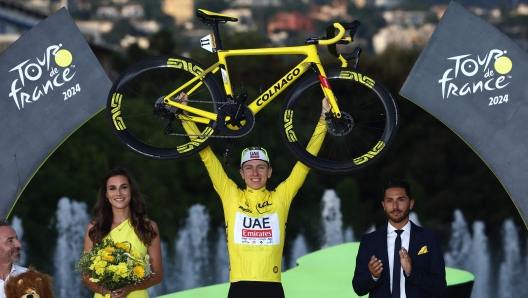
182	64
116	111
371	154
196	141
352	75
288	126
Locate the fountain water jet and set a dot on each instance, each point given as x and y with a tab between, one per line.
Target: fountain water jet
72	220
332	219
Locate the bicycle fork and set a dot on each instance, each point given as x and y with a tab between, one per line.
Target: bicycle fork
327	91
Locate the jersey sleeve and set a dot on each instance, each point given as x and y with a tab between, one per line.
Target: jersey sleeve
221	183
291	185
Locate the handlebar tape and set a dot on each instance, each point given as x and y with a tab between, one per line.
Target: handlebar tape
330	33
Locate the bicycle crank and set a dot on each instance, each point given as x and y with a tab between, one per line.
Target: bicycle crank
340	126
232	125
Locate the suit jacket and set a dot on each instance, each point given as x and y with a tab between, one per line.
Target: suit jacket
427	277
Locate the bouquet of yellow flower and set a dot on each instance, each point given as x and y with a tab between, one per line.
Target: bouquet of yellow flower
114	265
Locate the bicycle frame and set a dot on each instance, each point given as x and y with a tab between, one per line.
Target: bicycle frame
312	61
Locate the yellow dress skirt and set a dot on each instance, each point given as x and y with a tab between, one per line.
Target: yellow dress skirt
125	232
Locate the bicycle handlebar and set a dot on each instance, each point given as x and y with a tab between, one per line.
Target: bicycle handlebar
333	38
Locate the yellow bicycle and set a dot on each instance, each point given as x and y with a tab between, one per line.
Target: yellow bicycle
144	110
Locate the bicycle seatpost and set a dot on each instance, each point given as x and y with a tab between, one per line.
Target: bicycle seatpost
216	33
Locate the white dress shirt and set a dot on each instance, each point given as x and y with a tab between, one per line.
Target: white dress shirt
15	270
391	238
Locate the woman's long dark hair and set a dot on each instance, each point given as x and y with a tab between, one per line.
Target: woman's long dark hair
103	216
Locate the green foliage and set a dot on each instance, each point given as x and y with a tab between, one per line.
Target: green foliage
349	192
444	172
162	43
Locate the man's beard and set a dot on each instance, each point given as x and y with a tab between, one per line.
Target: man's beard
400	219
14	255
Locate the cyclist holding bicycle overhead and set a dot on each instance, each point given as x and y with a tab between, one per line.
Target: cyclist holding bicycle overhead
255	217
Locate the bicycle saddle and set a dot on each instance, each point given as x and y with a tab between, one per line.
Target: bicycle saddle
209	17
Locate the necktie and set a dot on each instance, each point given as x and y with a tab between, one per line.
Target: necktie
396	269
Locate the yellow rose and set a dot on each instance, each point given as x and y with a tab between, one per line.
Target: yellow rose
123	246
109	249
139	271
108	258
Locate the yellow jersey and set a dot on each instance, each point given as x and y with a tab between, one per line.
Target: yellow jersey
255	220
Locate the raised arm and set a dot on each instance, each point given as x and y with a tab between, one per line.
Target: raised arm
221	182
292	184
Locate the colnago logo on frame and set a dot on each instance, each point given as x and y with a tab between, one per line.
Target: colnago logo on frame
486	73
34	78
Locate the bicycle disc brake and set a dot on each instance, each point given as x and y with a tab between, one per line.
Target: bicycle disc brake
235	126
340	126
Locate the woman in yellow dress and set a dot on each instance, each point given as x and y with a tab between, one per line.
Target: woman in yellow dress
120	213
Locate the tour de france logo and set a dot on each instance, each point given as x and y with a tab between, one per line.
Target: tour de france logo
63	58
46	73
474	74
503	65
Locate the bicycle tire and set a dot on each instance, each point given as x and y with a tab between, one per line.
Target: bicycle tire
349	145
134	95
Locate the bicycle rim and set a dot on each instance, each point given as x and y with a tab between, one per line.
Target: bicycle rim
364	132
138	121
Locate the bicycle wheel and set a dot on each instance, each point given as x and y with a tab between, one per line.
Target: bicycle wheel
359	138
141	121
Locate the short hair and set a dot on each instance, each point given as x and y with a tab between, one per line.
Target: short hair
397	183
4	223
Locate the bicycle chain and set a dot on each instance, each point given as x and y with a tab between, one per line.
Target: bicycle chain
210	136
203	101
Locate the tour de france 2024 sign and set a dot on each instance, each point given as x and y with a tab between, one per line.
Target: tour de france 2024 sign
51	84
472	77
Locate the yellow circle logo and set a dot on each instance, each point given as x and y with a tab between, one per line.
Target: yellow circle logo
63	58
503	65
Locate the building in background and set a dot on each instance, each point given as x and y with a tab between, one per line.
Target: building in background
182	11
17	17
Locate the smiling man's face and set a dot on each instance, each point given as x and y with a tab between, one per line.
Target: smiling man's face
397	206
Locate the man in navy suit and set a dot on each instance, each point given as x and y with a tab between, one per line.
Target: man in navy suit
399	251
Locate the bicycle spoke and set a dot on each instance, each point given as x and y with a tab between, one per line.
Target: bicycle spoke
152	129
353	139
